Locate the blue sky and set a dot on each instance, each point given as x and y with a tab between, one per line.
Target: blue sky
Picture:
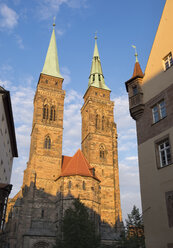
25	30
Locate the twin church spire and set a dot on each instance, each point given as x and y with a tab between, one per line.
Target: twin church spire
51	64
96	78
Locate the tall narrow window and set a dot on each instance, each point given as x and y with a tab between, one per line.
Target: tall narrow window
103	122
99	77
69	185
164	153
102	152
42	213
94	77
97	121
45	111
47	143
84	186
52	113
135	90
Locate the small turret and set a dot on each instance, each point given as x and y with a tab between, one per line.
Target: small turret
133	87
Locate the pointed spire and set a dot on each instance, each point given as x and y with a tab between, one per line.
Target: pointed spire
96	77
51	64
137	69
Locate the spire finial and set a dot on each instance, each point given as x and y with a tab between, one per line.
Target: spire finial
95	35
136	55
54	21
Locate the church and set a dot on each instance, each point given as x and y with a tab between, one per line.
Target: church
52	180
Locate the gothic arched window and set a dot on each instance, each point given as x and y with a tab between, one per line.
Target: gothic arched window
52	113
103	122
47	143
102	151
45	111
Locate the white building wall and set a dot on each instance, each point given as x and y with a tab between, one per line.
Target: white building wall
6	158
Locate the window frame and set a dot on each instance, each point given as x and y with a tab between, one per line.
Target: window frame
168	61
160	150
158	110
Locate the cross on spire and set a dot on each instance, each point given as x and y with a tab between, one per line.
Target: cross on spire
136	55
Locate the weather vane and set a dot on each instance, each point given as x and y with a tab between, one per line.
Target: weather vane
54	21
136	55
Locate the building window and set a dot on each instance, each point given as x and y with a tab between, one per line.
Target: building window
99	78
159	111
47	143
135	90
169	205
168	61
102	152
42	213
69	184
84	186
45	111
164	151
97	119
52	113
103	122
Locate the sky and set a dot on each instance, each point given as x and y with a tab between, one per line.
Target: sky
25	31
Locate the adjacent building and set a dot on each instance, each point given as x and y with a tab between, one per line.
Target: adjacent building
151	105
51	180
8	150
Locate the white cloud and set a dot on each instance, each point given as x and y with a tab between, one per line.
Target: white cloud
59	32
132	158
50	8
66	75
19	41
8	17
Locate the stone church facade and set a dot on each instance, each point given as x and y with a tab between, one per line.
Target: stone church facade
51	180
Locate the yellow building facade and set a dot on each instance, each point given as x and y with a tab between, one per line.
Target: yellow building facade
151	101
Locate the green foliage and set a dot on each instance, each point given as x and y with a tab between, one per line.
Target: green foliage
133	236
78	229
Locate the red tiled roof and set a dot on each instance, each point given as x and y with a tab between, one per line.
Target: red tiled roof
76	165
137	70
65	160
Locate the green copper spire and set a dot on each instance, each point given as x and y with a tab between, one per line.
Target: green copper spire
96	77
51	65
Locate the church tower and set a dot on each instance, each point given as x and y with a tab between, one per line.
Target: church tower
99	142
47	128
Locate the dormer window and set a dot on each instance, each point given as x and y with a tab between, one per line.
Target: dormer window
93	77
99	78
168	61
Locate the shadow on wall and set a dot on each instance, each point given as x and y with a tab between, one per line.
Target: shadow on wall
34	220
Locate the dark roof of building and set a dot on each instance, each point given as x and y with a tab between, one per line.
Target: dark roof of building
9	117
77	165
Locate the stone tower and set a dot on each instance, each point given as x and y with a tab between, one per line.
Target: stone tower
33	211
99	143
47	128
